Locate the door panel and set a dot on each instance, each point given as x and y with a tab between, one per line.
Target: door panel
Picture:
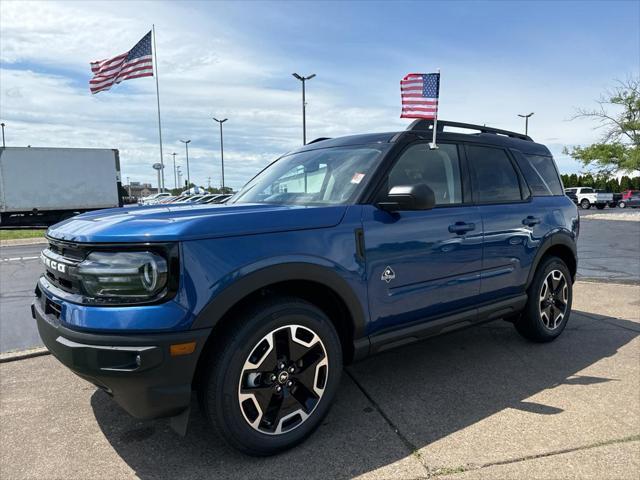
435	270
511	239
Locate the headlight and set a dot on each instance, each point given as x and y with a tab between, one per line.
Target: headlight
133	276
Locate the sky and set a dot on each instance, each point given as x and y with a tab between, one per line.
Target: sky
235	60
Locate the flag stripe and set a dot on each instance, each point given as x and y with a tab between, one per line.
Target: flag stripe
130	67
416	115
121	76
96	66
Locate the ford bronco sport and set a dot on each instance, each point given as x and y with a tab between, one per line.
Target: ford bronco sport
341	249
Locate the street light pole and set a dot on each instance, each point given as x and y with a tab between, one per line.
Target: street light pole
303	79
221	148
186	147
526	122
2	124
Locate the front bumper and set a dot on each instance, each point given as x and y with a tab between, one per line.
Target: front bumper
137	370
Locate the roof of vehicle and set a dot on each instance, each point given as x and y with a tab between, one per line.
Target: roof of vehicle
447	131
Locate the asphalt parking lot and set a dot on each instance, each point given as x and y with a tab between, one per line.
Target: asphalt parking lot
478	403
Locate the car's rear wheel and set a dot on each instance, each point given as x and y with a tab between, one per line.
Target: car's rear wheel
271	379
585	204
549	304
622	204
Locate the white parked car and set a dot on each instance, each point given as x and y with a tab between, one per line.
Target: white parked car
587	196
156	197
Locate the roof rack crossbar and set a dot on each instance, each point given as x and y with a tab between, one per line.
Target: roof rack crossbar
423	124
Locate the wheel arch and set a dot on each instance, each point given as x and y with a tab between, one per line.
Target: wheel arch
317	284
561	245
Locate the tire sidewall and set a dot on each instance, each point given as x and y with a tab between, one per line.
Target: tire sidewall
622	205
585	204
223	402
533	309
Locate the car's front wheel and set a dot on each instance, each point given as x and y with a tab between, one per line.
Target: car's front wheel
271	379
622	204
549	302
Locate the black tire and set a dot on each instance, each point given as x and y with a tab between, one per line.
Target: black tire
622	204
531	324
600	207
586	204
224	374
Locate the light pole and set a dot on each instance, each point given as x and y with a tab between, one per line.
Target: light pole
2	124
303	79
186	146
526	122
129	185
221	148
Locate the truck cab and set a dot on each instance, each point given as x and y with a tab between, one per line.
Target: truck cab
341	249
588	196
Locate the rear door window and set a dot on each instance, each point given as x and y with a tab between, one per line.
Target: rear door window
495	180
541	174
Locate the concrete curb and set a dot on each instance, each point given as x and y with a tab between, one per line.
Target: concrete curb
608	281
23	354
17	242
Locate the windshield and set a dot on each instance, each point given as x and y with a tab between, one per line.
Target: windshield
326	176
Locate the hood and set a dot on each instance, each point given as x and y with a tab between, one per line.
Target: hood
190	222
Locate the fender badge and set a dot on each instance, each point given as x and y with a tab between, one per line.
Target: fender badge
388	275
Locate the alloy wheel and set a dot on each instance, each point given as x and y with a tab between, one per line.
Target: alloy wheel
283	379
553	299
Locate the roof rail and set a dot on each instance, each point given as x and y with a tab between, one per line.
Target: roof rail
423	124
319	139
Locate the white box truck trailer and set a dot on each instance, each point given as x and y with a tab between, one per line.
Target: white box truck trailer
42	186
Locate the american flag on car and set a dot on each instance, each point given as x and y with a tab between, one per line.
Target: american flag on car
420	92
136	63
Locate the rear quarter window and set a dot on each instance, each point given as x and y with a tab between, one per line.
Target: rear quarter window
540	173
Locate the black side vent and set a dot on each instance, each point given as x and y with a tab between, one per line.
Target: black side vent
52	308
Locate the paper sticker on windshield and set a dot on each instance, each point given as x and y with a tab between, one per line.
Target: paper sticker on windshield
357	178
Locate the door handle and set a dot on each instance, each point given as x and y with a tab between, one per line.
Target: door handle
530	221
462	227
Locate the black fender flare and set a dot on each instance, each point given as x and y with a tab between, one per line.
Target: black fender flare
562	238
211	314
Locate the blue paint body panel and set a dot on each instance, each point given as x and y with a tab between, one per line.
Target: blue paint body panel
435	270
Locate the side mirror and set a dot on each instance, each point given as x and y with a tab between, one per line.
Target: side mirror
409	197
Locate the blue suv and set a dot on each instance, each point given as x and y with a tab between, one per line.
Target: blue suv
339	250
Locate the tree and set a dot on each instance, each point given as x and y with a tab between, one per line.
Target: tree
618	115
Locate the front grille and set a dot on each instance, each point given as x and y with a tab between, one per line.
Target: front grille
60	262
70	251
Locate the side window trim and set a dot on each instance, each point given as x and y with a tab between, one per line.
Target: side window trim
524	187
465	175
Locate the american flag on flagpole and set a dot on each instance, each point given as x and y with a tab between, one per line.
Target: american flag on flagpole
420	92
136	63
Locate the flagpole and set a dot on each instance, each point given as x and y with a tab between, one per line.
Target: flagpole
155	68
433	145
